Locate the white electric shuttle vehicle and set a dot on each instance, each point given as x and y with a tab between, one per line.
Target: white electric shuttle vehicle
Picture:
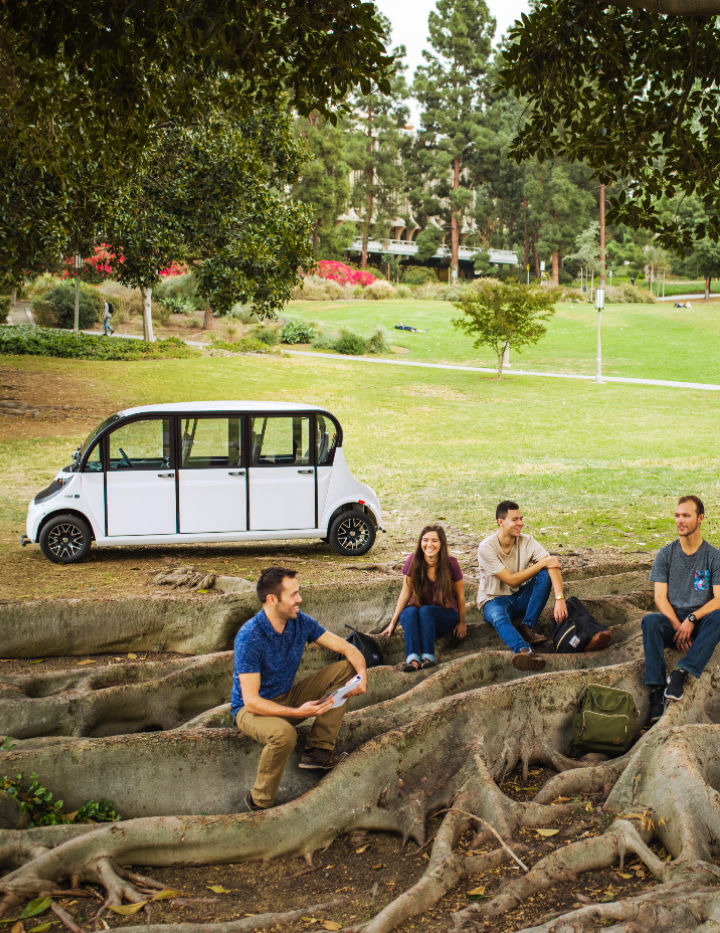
206	472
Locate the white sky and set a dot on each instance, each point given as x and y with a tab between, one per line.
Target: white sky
409	21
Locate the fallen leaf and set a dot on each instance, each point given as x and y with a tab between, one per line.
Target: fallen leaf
332	925
561	799
125	910
36	906
362	849
40	929
379	865
547	832
202	591
219	889
310	919
165	895
476	891
622	875
39	661
87	661
70	816
17	928
132	656
425	855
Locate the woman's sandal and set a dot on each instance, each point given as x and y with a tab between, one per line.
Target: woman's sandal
411	667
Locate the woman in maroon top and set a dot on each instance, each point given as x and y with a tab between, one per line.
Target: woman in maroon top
432	601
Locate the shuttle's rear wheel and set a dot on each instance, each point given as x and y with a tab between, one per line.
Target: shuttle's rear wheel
352	533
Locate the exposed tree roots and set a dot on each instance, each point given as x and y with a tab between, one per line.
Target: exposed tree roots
431	746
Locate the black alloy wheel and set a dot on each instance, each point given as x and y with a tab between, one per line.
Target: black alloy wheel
65	539
352	533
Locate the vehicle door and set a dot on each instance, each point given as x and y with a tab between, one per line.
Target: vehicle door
212	481
281	473
93	486
141	489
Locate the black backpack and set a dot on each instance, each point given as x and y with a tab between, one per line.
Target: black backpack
367	647
574	634
111	310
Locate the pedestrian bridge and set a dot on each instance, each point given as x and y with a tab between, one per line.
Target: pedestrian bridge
407	248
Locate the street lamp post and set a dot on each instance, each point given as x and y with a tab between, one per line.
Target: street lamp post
78	267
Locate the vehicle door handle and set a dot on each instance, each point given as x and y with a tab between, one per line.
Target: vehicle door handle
166	474
306	471
236	473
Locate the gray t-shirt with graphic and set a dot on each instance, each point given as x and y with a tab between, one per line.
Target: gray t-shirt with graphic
690	577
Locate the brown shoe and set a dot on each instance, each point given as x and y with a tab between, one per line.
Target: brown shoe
250	803
526	660
321	758
599	641
530	635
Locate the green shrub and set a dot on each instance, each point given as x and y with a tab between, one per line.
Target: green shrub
244	345
5	302
297	332
379	290
419	275
161	313
37	341
58	306
378	342
242	313
180	286
403	291
267	335
42	810
324	342
349	343
177	305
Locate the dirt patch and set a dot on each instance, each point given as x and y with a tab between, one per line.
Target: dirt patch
17	666
371	869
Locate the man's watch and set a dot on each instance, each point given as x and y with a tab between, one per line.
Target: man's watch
692	618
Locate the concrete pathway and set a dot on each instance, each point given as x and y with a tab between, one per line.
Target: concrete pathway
699	296
514	372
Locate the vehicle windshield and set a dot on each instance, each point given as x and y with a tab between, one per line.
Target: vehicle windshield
94	433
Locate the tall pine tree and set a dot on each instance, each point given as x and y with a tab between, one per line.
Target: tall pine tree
449	88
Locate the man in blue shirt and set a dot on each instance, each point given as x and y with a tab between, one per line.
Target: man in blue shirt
265	704
686	574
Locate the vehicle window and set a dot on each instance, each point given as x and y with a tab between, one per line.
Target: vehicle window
141	445
210	443
93	464
283	441
327	436
94	433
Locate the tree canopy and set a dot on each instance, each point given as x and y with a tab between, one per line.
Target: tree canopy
631	93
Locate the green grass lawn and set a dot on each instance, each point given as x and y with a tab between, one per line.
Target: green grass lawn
653	341
591	465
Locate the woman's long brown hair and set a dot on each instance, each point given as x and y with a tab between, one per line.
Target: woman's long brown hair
444	591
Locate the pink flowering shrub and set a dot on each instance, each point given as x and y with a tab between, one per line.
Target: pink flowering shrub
99	267
342	274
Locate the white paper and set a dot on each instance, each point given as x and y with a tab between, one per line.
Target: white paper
340	695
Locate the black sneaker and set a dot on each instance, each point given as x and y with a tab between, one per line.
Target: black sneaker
676	685
657	705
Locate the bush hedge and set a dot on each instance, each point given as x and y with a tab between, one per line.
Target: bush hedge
297	332
38	341
57	307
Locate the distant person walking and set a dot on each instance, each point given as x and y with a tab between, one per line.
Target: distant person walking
432	600
106	315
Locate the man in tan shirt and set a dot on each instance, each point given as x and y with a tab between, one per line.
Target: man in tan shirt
516	574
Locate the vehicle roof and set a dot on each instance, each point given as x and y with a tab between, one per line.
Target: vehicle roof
225	405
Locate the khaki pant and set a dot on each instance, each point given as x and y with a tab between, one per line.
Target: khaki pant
278	734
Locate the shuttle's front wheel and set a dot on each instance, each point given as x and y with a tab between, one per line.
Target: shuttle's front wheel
65	539
352	533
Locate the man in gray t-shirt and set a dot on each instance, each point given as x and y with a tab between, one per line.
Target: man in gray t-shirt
686	574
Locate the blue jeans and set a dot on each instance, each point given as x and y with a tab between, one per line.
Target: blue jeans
529	601
658	635
422	626
107	327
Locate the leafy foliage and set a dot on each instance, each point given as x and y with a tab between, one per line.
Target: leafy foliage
349	343
419	275
57	307
178	305
297	332
634	95
43	810
36	341
377	342
243	345
505	315
343	274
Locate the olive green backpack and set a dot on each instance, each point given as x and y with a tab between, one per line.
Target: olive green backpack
605	722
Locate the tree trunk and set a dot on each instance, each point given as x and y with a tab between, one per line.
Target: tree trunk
506	356
147	315
76	319
511	230
315	238
535	257
455	226
527	237
602	236
556	269
369	179
13	297
208	319
707	288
